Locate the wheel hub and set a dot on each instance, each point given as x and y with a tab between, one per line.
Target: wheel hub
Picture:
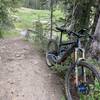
83	88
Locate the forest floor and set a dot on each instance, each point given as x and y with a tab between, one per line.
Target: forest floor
24	74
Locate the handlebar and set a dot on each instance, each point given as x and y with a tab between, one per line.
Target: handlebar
79	34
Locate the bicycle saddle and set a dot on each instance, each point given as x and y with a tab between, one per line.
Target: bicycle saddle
61	29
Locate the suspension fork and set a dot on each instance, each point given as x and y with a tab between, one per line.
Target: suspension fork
77	60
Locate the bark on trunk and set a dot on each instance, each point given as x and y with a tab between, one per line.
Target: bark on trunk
96	17
81	14
96	42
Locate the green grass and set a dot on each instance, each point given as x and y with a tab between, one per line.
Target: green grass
25	18
11	33
63	98
28	16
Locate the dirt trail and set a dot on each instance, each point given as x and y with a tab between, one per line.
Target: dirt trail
24	74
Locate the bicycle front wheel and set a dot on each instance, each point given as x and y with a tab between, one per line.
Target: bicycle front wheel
86	89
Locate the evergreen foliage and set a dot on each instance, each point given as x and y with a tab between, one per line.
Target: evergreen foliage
6	6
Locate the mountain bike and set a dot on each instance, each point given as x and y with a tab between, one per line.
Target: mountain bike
82	80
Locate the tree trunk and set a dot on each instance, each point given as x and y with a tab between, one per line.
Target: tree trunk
81	14
96	17
96	43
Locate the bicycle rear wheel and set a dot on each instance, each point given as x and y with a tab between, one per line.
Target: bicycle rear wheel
88	89
51	48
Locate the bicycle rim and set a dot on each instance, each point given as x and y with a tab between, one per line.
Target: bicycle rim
51	48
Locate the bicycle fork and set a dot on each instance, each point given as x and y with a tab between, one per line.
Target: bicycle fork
77	60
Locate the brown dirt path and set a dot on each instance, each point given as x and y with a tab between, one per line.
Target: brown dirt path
24	74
